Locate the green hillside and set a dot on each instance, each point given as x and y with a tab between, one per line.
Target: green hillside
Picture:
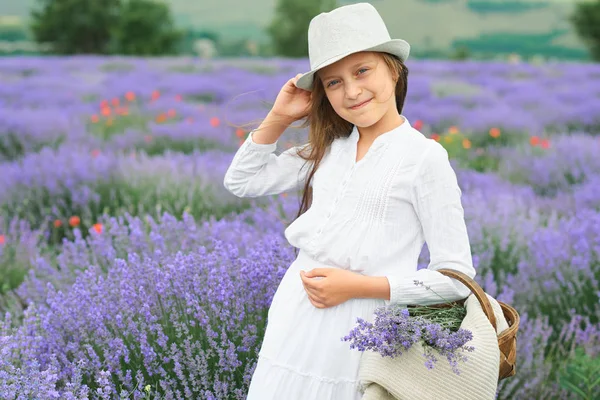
431	26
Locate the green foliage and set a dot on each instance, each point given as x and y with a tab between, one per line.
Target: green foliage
461	53
137	194
161	145
75	26
13	146
117	67
581	375
586	21
145	27
13	268
504	6
140	27
473	150
527	45
13	33
289	27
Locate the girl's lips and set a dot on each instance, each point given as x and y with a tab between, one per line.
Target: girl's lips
361	105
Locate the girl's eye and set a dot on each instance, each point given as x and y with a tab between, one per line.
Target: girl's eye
333	81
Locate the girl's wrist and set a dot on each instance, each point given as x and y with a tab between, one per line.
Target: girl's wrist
270	130
276	118
372	287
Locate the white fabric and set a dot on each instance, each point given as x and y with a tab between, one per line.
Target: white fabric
405	377
371	217
302	355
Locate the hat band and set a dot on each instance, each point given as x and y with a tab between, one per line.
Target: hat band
347	52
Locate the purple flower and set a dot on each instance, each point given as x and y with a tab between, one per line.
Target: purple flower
395	331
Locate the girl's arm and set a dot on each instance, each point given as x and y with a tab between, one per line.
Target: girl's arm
256	171
437	200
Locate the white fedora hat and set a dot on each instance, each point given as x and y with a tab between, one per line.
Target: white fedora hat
345	30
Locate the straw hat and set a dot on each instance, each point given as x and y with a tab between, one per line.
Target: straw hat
345	30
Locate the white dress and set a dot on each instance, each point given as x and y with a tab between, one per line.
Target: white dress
371	217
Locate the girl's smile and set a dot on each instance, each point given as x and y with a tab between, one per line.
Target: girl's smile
361	105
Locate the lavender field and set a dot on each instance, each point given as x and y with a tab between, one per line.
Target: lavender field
128	271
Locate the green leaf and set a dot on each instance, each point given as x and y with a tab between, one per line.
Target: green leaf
568	385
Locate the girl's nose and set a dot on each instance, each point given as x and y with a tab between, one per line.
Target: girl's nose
353	90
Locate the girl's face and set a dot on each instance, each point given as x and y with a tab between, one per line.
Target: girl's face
360	88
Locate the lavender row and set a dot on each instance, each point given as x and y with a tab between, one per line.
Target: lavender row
58	183
204	103
179	299
72	186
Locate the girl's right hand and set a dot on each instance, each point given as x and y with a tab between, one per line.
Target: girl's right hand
292	103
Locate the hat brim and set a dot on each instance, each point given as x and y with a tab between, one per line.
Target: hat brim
397	47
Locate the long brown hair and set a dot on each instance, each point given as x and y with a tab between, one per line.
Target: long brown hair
325	125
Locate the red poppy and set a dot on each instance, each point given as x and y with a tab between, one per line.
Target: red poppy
534	140
494	132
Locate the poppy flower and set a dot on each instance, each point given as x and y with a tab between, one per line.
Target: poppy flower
534	140
494	132
74	221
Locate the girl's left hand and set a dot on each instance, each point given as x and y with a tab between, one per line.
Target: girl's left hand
336	286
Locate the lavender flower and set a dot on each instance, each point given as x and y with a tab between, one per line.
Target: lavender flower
395	331
532	219
184	312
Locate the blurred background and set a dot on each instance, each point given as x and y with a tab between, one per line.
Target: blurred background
479	29
127	270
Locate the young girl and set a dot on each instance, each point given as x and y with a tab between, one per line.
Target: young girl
375	189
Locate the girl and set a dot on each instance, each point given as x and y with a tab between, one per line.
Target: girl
374	190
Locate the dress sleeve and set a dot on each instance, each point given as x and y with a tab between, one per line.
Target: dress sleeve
437	201
257	171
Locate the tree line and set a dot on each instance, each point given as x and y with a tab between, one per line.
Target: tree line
146	27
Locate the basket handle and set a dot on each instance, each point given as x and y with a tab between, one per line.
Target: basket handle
475	288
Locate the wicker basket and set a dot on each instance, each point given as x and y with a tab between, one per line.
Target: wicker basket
507	340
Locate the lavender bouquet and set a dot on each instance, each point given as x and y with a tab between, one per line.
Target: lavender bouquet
397	328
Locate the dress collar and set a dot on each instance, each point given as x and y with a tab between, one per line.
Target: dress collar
385	137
